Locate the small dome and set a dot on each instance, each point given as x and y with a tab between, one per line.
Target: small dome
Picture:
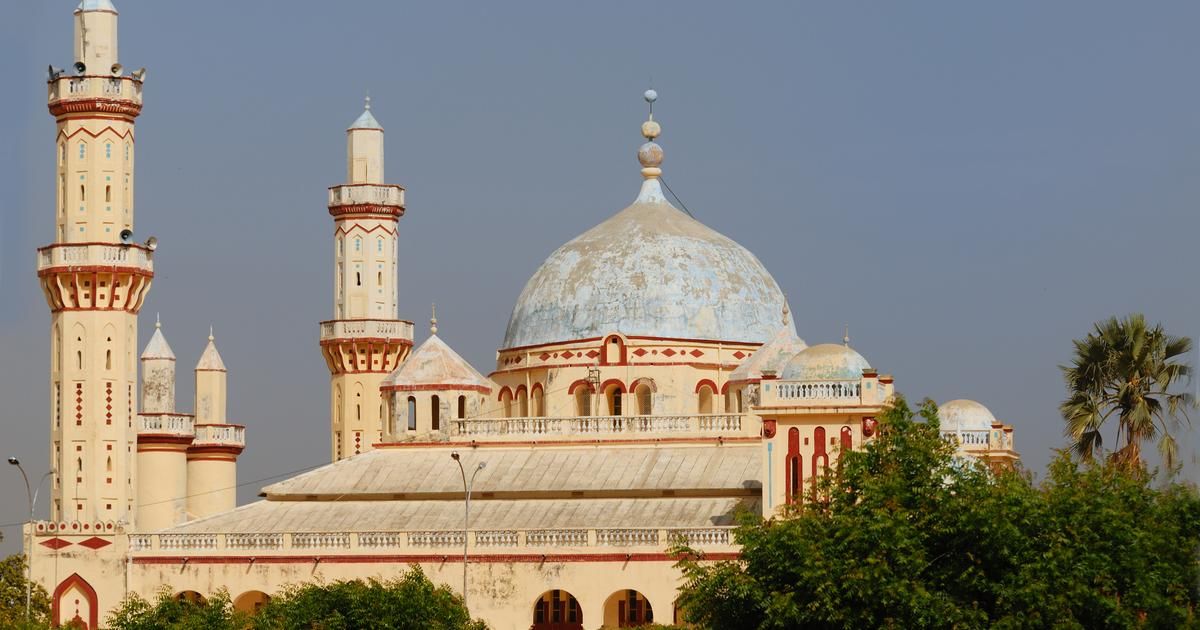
826	362
773	355
965	415
435	363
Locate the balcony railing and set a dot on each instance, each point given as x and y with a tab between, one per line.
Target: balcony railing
980	439
366	328
220	435
589	427
166	424
367	543
366	194
831	390
70	88
95	254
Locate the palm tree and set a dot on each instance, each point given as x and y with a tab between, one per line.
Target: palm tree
1126	369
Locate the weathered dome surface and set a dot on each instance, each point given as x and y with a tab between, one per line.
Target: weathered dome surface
826	362
965	415
435	363
773	355
649	270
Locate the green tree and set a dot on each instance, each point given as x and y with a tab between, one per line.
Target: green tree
908	535
1126	369
168	612
410	602
12	596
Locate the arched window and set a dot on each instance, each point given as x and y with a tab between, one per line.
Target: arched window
435	413
79	359
506	402
522	402
82	193
612	397
644	400
462	407
108	465
583	402
539	401
108	359
108	150
412	413
704	402
108	194
614	351
358	278
794	462
739	407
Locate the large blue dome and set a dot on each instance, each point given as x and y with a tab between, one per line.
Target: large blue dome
650	270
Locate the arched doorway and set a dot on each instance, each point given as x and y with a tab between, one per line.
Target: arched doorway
627	609
557	610
251	602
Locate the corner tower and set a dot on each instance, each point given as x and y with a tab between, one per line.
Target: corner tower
365	340
94	277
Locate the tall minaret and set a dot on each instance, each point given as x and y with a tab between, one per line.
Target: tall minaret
95	277
365	340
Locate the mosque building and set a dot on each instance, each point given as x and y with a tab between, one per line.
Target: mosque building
650	384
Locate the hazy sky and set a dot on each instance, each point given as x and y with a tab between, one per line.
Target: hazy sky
967	185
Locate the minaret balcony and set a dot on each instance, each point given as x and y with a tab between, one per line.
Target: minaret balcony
92	255
95	93
367	329
220	435
366	199
170	425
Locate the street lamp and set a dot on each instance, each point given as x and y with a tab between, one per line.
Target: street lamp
467	513
31	495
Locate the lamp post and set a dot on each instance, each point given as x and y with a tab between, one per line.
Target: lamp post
467	513
31	495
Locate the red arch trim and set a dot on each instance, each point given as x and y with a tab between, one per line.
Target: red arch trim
649	382
89	594
580	383
703	382
537	387
610	382
504	390
520	390
725	388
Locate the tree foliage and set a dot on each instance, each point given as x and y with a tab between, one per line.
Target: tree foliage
1126	369
410	602
907	535
12	596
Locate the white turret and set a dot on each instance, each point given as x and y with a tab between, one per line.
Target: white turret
158	374
212	458
163	440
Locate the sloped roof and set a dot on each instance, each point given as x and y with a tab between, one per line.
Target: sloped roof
157	347
211	359
366	121
526	471
398	515
435	363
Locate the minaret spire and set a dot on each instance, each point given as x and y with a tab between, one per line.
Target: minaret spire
433	320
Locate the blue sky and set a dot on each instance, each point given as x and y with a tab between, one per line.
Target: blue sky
968	186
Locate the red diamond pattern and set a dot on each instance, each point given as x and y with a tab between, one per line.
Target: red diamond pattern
669	352
697	353
544	356
739	354
592	354
55	543
568	354
95	543
640	352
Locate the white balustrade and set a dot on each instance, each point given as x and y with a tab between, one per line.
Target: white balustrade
96	254
221	434
321	540
379	540
497	538
598	425
254	541
174	424
70	88
971	437
369	328
831	390
557	538
141	542
700	537
187	542
435	539
365	194
626	537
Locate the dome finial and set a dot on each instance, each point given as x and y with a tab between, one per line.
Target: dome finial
846	337
367	106
157	321
210	333
433	319
650	154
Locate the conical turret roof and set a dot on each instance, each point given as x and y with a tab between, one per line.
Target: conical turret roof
211	359
157	347
435	363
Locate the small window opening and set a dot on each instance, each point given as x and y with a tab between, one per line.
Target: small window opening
108	193
462	407
358	278
435	413
108	359
412	413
